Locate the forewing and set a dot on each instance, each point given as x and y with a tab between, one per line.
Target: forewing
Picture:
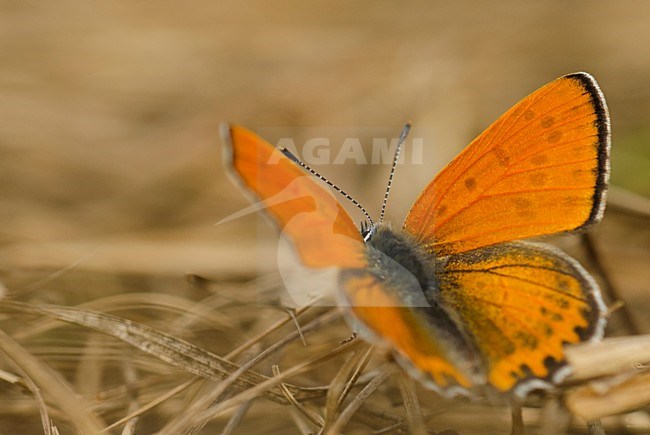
321	231
541	168
521	303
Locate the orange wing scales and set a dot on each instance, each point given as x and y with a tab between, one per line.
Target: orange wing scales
425	354
521	303
320	229
541	168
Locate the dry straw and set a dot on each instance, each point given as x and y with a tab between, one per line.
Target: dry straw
216	358
608	378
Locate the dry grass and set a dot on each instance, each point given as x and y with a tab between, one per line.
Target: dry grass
156	377
110	180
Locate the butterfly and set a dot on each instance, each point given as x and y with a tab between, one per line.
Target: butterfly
461	302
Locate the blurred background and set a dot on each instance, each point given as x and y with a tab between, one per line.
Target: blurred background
110	167
111	156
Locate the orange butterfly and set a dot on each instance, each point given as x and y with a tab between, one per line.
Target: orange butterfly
461	305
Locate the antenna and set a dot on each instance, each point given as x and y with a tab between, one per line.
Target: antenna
295	159
402	139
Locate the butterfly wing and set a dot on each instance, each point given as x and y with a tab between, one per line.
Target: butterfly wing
520	303
424	340
322	233
541	168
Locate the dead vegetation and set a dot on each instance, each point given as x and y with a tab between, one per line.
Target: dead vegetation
125	310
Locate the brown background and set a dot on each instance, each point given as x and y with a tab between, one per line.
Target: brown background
109	113
110	110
